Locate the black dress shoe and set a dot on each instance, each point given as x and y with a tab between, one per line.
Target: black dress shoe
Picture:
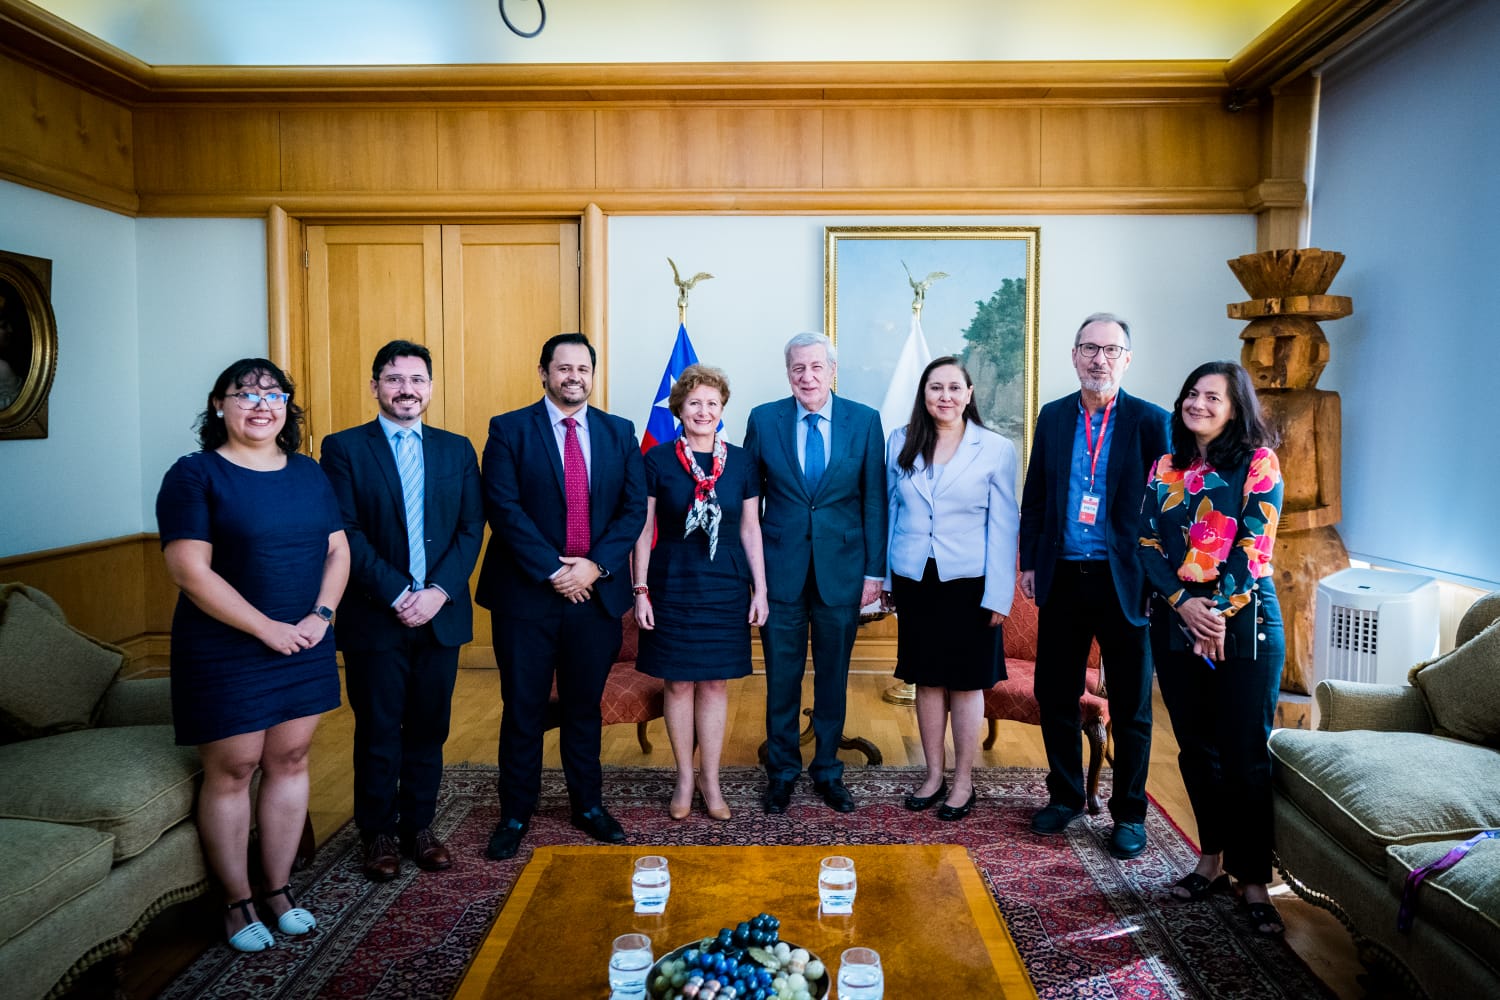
952	813
778	795
835	795
917	803
600	825
506	840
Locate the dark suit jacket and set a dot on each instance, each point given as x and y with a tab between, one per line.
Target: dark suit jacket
527	511
1138	438
842	527
359	464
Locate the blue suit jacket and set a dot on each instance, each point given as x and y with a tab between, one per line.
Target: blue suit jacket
1138	439
841	528
528	515
968	519
362	470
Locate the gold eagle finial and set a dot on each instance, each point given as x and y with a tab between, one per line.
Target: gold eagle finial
919	288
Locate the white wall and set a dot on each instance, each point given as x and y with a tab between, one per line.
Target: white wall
83	481
1407	142
1165	274
202	306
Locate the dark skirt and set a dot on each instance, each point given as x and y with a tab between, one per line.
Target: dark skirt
944	638
705	638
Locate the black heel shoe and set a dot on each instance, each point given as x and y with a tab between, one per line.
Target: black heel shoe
917	803
953	813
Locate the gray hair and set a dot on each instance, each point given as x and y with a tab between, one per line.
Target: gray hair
1104	318
811	340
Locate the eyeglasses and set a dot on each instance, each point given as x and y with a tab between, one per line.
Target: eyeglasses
397	381
250	400
1110	351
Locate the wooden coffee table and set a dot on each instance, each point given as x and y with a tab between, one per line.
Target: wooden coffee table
923	907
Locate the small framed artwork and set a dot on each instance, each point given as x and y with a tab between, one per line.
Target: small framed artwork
28	345
966	291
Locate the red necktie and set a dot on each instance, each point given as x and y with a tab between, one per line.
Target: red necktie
576	489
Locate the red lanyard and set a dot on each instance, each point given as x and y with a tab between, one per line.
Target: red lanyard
1088	437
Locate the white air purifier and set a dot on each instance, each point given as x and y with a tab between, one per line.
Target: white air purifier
1373	626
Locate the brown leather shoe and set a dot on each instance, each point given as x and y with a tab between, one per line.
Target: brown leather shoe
382	858
430	854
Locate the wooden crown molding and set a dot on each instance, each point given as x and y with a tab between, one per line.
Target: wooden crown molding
1302	38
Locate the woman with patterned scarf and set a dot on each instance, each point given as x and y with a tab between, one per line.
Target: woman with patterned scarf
700	580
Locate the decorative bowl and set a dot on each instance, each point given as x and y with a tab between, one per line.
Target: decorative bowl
824	984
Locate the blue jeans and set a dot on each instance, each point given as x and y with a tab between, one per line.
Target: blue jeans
1222	719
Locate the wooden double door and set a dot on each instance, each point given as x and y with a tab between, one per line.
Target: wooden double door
482	298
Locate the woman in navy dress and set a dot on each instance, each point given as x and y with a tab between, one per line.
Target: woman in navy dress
703	585
253	538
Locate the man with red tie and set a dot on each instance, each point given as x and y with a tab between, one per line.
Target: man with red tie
565	497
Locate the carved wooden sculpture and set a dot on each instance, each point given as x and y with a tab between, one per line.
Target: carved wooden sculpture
1285	351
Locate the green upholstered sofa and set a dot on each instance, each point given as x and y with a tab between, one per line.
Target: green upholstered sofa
95	801
1394	778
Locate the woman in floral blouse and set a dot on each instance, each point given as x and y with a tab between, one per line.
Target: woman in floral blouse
1209	528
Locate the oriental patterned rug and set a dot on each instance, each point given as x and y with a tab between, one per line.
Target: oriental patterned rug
1086	924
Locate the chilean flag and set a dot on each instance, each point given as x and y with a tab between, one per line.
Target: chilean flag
661	425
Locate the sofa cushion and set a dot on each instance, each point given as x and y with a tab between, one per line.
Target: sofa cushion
1463	901
1371	790
51	674
132	782
1463	689
46	866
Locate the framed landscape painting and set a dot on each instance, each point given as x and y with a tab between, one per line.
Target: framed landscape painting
968	291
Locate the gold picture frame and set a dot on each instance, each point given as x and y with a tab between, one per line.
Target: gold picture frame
982	308
28	345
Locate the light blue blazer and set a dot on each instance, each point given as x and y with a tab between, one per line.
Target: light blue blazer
969	523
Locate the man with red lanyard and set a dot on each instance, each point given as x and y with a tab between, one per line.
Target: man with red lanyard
1079	534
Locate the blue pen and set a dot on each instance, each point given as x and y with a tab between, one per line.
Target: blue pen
1192	639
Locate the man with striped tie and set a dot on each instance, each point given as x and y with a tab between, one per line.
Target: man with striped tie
565	495
414	514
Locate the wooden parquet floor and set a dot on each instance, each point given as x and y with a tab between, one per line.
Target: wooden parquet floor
180	934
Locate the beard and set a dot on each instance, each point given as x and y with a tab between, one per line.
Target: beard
1102	383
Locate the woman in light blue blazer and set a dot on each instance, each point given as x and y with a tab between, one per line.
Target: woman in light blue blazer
951	571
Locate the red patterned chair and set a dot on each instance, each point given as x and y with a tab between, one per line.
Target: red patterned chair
629	695
1014	699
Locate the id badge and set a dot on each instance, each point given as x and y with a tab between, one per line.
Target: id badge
1088	509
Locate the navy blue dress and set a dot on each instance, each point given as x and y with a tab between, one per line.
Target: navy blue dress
702	607
269	532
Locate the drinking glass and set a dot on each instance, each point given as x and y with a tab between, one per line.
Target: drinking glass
651	884
836	884
860	975
629	962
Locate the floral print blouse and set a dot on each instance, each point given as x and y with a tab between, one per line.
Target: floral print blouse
1195	531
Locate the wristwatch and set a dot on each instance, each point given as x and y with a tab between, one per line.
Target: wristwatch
324	612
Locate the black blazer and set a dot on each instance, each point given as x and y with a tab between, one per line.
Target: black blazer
525	505
1139	438
359	464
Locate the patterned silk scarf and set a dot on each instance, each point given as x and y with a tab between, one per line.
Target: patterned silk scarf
705	513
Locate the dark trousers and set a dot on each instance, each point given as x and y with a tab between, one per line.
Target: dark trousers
784	639
1083	606
401	699
577	644
1222	719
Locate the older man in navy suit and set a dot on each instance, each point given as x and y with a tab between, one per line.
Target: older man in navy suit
821	461
1079	536
415	520
565	495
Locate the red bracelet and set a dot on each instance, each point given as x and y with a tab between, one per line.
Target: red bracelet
642	589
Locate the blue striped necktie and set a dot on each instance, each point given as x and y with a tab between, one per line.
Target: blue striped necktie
813	460
409	463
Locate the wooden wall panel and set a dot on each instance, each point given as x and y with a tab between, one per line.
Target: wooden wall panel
359	150
481	150
728	148
61	137
100	585
200	150
1176	146
946	147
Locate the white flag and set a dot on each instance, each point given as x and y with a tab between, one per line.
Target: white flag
896	410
